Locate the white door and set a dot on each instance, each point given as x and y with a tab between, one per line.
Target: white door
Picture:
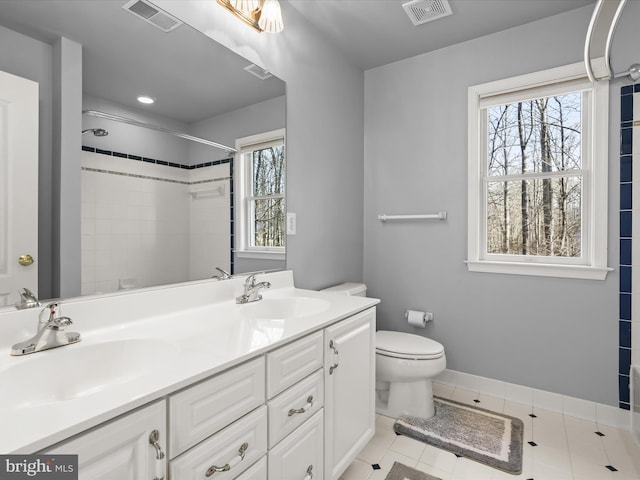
18	186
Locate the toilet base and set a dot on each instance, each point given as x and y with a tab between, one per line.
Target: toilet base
395	399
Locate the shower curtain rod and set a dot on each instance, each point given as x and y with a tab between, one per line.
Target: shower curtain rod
137	123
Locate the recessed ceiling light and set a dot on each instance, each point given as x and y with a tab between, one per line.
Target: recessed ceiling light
146	99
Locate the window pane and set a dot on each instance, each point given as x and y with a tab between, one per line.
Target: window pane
268	222
535	217
268	171
539	135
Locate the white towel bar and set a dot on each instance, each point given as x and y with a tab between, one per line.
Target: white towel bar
217	191
442	215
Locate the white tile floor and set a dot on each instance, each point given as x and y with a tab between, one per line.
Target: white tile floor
566	448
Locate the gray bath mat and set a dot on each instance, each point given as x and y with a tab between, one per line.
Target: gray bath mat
481	435
402	472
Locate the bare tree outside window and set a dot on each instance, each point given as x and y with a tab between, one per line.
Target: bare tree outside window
268	197
534	177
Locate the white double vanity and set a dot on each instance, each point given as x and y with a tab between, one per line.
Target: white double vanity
182	382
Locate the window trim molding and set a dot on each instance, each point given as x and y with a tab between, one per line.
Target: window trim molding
244	145
595	177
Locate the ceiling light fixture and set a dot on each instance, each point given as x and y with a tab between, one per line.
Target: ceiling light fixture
262	15
146	99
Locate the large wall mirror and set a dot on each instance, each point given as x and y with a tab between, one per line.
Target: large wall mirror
155	207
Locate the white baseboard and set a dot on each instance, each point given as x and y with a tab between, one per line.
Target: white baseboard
574	407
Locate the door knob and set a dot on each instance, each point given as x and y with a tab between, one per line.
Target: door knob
25	260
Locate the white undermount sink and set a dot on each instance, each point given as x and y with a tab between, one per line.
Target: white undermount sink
79	370
284	308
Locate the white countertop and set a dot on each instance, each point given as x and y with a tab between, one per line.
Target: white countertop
171	344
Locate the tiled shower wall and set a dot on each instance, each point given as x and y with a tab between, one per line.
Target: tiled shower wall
626	242
142	226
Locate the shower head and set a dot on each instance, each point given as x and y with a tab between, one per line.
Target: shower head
98	132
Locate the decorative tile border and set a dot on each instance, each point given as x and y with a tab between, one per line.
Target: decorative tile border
158	179
626	244
138	158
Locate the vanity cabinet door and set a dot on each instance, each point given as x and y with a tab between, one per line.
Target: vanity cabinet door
299	455
121	448
349	369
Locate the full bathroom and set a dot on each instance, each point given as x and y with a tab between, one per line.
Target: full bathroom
366	135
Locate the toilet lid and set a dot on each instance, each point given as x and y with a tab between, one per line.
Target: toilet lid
407	345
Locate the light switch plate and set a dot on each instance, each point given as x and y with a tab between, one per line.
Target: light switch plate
291	223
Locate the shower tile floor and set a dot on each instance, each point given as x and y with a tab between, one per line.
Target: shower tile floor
556	447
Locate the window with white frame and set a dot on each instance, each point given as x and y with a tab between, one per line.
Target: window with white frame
538	175
261	208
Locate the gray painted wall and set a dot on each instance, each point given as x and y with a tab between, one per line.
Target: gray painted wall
324	136
226	128
559	335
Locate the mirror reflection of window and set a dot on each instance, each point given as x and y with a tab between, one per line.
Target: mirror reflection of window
266	203
262	209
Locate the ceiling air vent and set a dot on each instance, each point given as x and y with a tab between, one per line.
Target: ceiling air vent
257	71
153	15
423	11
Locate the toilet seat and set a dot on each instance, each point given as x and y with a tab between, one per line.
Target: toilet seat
407	346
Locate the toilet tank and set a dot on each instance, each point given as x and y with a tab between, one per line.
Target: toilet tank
355	289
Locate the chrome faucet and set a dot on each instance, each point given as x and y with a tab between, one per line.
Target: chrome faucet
50	333
251	289
27	300
224	275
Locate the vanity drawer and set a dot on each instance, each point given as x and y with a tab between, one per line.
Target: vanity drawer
224	448
256	472
294	406
293	362
201	410
300	455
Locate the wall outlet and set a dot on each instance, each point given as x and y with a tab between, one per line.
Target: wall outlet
291	223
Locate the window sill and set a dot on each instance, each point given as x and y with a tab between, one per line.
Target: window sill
261	255
540	269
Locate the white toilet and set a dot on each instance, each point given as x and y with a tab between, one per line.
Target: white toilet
405	366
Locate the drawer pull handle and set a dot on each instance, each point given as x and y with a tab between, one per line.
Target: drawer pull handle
333	347
306	407
232	463
160	464
309	474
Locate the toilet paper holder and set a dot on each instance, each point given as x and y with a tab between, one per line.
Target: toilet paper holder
418	318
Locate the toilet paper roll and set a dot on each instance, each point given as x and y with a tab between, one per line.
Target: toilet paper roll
416	318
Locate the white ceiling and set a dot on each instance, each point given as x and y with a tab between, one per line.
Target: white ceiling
191	75
372	33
